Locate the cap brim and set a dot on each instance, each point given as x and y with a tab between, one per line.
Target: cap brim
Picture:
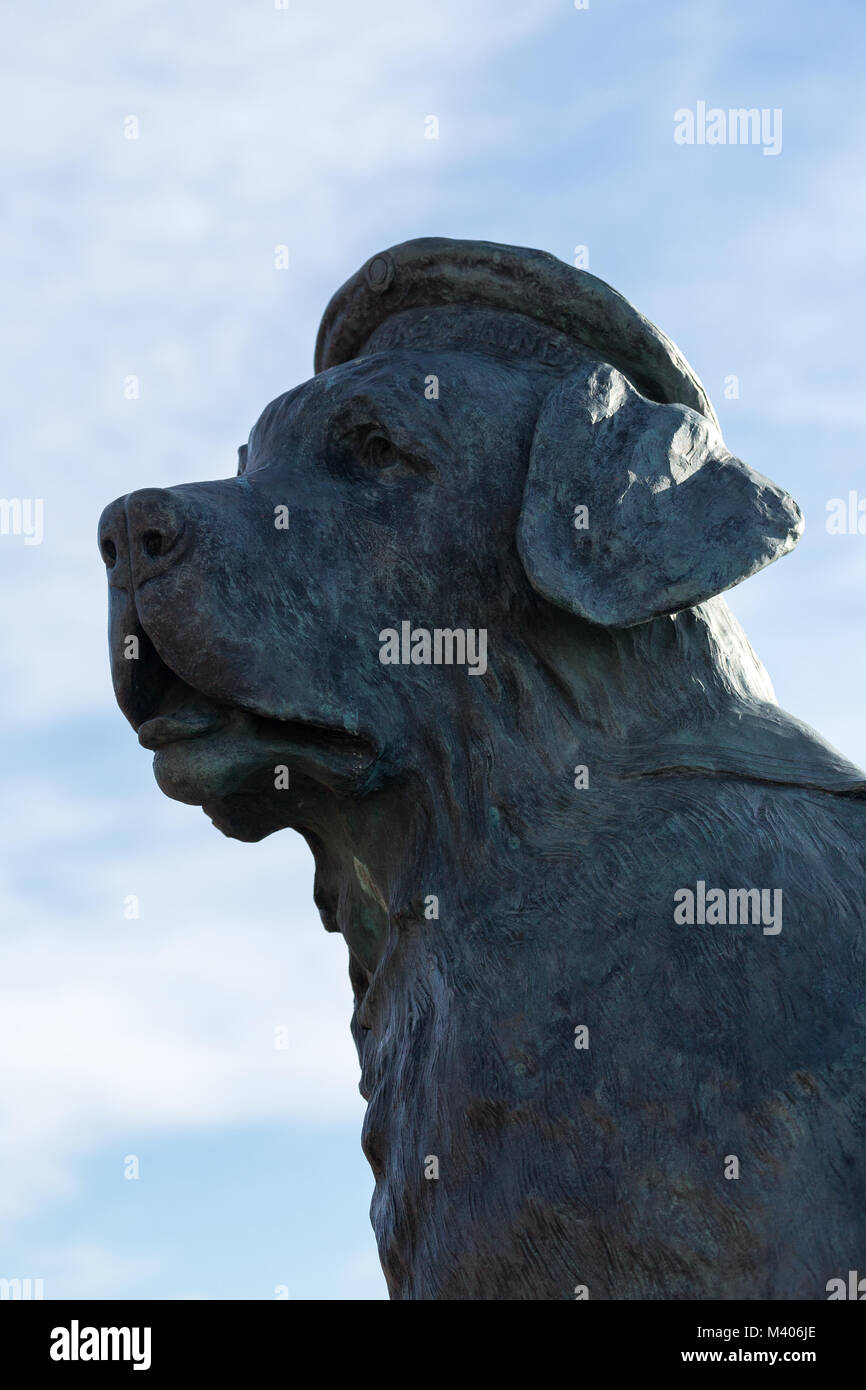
431	271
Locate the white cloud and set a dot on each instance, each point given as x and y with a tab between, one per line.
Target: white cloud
154	256
112	1029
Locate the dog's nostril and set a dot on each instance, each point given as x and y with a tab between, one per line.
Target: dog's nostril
156	522
109	553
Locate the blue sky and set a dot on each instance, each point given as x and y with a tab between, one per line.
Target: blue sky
304	127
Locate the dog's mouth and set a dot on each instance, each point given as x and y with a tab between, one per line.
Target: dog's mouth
182	724
161	707
225	744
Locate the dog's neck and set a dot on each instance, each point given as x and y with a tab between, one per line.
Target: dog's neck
510	778
534	762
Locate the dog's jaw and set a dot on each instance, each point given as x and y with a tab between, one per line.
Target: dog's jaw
245	772
234	762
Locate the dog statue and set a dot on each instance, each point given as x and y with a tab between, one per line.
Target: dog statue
457	621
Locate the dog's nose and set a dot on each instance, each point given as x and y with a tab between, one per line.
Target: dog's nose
156	524
112	542
142	532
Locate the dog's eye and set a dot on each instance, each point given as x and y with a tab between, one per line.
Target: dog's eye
379	453
365	450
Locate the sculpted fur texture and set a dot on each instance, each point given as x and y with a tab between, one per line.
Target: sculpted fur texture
603	899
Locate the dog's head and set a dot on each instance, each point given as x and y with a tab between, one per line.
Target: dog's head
493	443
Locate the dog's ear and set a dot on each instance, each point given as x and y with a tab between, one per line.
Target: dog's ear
633	509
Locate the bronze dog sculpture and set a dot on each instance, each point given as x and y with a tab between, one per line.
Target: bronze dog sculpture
457	621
